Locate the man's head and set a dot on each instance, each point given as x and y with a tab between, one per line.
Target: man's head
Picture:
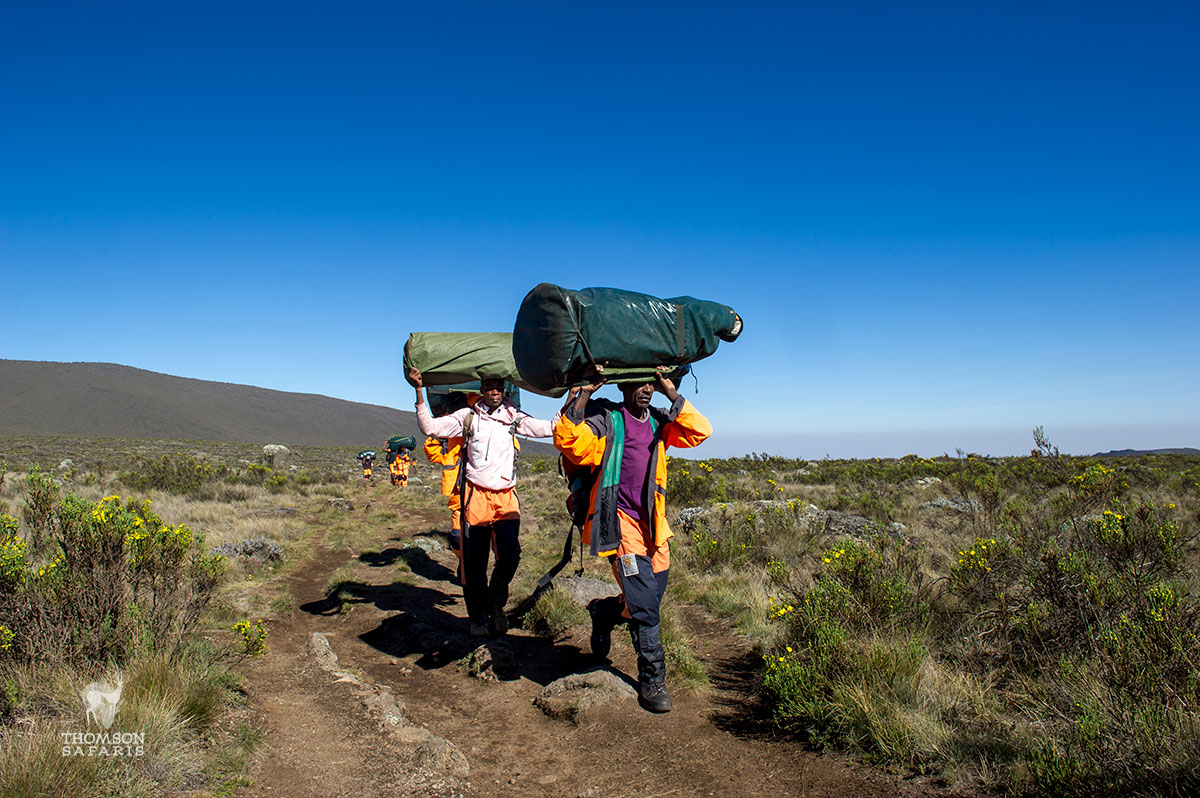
637	395
492	392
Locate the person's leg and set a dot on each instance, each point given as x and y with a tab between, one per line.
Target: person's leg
606	614
477	546
456	545
508	556
643	598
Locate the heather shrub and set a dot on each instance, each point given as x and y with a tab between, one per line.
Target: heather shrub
110	579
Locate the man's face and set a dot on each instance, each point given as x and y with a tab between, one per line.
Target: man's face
492	392
637	397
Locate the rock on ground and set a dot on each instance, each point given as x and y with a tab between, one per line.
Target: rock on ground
432	756
426	543
494	661
256	548
573	697
962	506
833	522
582	589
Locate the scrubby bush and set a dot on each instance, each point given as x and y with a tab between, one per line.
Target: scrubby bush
181	474
111	579
1057	650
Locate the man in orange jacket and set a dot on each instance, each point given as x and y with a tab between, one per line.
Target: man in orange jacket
446	452
404	461
626	518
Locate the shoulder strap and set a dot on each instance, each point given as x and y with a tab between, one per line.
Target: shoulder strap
612	469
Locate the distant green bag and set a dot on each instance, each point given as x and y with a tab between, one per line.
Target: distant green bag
564	338
398	443
454	358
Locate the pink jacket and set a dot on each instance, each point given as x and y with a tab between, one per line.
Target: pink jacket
490	453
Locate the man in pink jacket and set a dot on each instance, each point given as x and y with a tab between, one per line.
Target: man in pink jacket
490	508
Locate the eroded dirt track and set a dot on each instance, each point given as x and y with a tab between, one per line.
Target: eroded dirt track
411	639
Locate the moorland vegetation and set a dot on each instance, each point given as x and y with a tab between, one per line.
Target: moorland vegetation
1025	625
97	588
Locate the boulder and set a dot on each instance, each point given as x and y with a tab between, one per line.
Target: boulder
319	649
275	455
438	755
259	549
582	589
494	661
573	697
960	506
806	516
426	543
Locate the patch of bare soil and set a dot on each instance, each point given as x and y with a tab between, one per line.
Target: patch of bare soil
411	639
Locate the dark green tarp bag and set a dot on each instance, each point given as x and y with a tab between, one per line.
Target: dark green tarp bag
457	358
398	443
564	338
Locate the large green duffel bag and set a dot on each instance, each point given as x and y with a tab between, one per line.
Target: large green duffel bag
456	358
564	338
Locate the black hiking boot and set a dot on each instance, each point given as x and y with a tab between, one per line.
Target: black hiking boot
499	623
604	617
653	697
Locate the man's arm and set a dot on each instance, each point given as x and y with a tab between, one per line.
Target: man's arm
444	427
532	427
686	427
573	436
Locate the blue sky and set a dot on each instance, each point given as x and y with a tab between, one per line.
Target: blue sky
944	224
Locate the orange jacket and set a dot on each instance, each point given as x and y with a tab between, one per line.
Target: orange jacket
590	438
445	452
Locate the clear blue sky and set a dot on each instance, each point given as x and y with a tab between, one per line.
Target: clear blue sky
943	223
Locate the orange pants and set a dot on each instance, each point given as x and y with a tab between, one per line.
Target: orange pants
488	506
637	540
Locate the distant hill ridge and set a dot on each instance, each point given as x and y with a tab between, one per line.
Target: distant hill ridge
1134	452
106	400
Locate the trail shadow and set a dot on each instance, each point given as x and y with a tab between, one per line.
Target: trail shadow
738	706
424	565
423	626
380	559
416	558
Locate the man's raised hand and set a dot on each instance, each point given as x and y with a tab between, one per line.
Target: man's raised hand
666	387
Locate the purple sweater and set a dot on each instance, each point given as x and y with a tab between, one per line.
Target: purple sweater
635	466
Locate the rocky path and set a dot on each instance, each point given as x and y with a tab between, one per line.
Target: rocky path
399	713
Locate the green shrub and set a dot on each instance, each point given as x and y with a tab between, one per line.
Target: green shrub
112	580
179	474
41	493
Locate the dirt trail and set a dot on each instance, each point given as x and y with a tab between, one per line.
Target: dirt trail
410	638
